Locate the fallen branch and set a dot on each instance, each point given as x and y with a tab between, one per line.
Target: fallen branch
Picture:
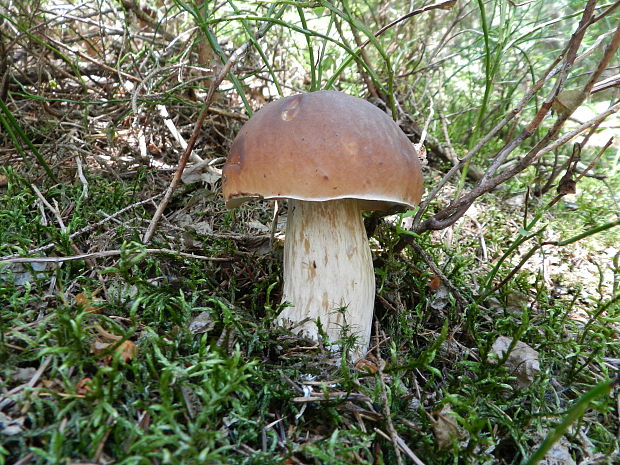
549	142
452	213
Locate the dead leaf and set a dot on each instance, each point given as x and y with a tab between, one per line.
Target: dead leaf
201	173
127	351
522	361
21	274
51	384
11	426
98	346
202	323
366	365
190	222
153	148
445	426
87	301
568	101
23	375
516	302
559	454
442	298
448	5
258	226
567	184
434	283
82	387
192	401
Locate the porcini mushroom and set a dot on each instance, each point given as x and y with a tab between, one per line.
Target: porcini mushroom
332	155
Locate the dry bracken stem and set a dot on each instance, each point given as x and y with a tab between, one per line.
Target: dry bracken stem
565	138
558	169
550	72
52	209
609	53
595	159
363	55
460	14
450	149
145	16
606	12
533	250
571	55
94	61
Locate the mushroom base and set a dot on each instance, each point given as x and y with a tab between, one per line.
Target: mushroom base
328	272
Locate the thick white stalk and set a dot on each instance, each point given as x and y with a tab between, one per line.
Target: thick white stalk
328	273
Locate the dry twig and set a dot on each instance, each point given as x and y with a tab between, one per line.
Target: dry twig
86	229
108	253
234	58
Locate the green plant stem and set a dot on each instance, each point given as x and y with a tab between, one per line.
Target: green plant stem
602	309
353	54
514	246
584	234
251	36
533	250
487	67
13	127
572	416
301	30
304	23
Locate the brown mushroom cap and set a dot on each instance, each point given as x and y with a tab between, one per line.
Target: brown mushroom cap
323	146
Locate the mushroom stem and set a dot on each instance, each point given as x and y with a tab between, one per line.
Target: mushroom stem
328	272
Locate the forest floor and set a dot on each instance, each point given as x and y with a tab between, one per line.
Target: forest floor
117	351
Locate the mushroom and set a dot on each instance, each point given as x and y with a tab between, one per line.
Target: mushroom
332	155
